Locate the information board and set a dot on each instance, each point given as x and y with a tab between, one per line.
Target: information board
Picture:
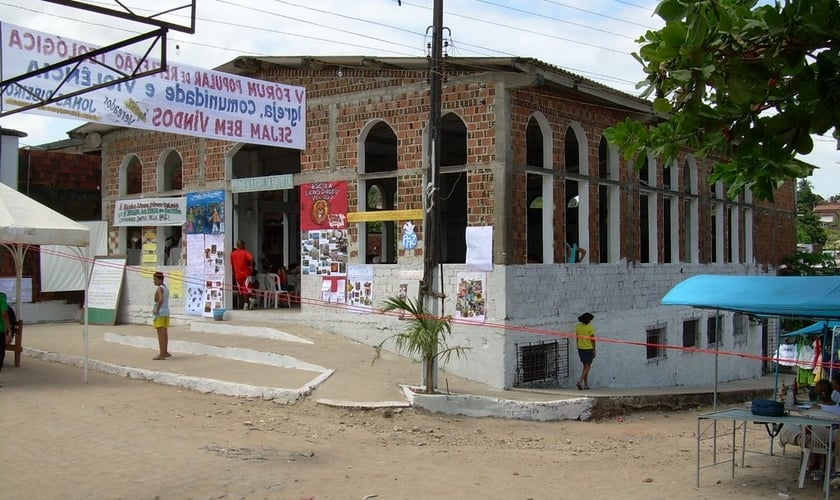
104	289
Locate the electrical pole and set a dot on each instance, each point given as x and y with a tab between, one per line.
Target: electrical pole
431	288
431	245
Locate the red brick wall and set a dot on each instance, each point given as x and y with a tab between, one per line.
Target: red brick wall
401	99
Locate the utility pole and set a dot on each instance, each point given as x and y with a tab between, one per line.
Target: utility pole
431	288
429	291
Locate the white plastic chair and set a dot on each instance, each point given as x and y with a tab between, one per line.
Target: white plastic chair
274	292
817	443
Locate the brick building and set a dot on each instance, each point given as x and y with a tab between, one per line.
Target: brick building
523	152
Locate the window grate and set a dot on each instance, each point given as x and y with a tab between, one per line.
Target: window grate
541	363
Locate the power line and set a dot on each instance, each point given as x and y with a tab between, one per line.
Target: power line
631	4
515	28
559	20
462	45
304	21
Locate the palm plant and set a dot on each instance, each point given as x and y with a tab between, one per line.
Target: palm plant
424	335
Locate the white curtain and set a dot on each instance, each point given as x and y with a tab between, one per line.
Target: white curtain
62	267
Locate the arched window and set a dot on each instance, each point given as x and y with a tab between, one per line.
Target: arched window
378	181
540	190
670	214
576	206
131	183
609	216
453	189
131	180
648	227
690	212
169	173
169	179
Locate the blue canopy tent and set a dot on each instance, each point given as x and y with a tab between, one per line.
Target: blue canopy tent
814	329
814	297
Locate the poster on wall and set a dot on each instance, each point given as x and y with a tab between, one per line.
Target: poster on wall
323	252
479	248
470	299
205	281
333	288
323	205
194	280
150	212
360	286
205	213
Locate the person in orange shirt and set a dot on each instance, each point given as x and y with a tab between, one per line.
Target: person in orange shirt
243	265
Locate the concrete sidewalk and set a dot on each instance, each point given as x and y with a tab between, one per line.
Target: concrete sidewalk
291	361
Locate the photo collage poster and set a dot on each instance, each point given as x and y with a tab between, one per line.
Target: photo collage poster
360	287
324	253
470	302
206	255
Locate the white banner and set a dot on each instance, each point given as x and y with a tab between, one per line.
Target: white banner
181	100
150	212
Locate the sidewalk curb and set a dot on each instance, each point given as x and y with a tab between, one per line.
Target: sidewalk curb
200	384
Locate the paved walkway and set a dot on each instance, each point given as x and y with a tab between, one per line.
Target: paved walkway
289	361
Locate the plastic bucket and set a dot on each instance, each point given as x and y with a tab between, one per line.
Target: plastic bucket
218	314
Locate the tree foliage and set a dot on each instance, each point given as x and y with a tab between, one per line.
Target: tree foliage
742	82
808	226
424	335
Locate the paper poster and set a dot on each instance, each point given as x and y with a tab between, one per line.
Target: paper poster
176	284
205	213
150	212
470	303
323	252
479	248
323	205
333	289
205	278
360	286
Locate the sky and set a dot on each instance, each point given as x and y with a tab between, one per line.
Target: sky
593	38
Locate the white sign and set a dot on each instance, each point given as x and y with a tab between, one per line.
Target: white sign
181	100
7	286
150	212
267	183
106	279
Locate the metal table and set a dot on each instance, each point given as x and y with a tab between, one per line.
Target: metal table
740	418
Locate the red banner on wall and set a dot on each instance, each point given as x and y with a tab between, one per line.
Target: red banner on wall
323	205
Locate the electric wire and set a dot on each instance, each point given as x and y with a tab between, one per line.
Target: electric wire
464	46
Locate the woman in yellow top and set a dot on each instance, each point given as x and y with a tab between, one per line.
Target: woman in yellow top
585	333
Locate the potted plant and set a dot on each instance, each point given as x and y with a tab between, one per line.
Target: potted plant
424	335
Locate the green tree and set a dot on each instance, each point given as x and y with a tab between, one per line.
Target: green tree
743	82
425	335
810	264
809	229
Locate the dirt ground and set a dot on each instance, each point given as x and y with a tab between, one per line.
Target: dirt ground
116	438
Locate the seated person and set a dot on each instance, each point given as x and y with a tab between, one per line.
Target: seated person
284	279
816	436
835	383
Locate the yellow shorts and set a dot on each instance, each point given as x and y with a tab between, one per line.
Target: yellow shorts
161	322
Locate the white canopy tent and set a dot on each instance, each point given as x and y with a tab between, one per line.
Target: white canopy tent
23	223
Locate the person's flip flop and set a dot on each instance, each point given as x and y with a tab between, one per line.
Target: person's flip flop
159	358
